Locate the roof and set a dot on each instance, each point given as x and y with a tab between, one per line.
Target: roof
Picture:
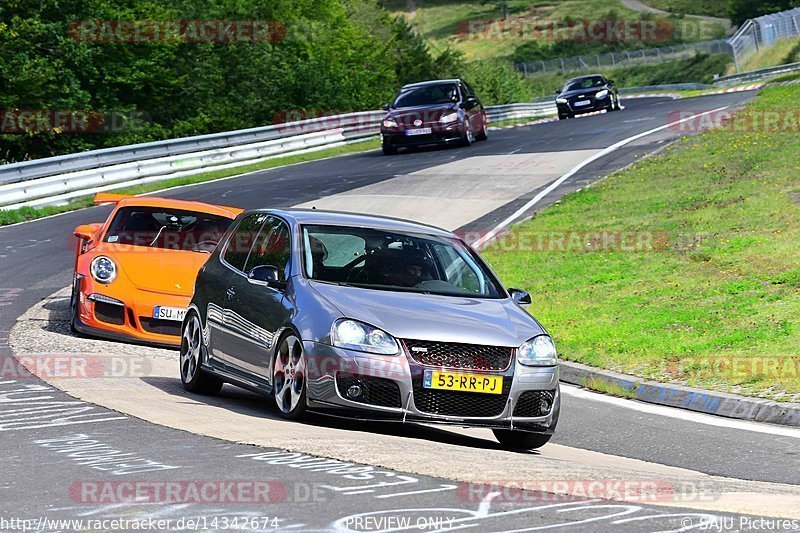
430	82
155	201
585	76
360	220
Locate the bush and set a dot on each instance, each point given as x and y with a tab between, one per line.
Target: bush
497	82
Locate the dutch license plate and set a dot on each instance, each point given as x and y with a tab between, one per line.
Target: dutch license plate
582	102
435	379
174	314
419	131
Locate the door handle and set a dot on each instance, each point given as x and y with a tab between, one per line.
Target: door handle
231	293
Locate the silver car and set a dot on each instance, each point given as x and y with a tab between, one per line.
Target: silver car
369	317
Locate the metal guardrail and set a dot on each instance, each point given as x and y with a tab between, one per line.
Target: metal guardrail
763	32
58	179
763	74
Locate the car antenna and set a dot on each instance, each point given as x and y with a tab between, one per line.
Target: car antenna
313	207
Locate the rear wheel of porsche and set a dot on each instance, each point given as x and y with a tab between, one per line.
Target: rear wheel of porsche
194	378
520	440
289	378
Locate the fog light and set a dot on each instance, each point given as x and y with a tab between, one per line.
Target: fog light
354	391
544	406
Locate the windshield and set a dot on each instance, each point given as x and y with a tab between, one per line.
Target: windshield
584	83
377	259
445	93
169	229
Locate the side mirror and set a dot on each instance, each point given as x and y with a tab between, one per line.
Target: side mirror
385	107
611	82
267	275
85	232
558	91
520	297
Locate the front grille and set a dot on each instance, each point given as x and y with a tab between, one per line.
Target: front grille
109	313
457	355
458	403
376	391
530	403
162	327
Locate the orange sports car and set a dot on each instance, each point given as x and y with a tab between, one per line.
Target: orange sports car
135	273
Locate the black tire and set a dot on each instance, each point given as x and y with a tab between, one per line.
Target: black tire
389	150
484	134
193	350
562	117
618	106
289	378
73	307
520	440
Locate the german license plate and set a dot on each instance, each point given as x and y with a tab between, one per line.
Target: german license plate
435	379
582	102
174	314
419	131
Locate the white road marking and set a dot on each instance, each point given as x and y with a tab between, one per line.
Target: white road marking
688	416
550	188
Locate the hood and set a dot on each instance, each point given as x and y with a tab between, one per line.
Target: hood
578	92
163	271
431	317
427	114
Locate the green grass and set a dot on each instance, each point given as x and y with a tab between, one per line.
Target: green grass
725	287
709	8
438	21
23	214
784	51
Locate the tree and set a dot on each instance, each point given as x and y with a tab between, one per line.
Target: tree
502	5
741	10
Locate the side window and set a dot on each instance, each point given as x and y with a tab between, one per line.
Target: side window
272	246
241	240
471	91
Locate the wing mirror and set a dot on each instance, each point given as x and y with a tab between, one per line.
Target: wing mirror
611	82
267	275
85	232
520	297
385	107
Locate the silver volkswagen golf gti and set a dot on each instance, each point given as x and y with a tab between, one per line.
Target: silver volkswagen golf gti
369	317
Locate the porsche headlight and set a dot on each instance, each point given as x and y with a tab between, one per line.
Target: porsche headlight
601	94
389	123
538	351
447	119
561	100
354	335
103	269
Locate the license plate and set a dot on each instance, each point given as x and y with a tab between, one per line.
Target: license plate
582	102
482	383
419	131
174	314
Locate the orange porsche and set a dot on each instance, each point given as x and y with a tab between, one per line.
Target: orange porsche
135	273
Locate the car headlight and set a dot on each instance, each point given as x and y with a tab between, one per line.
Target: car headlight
362	337
602	94
447	119
561	100
389	123
538	351
103	269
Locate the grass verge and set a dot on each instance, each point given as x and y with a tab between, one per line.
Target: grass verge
706	289
23	214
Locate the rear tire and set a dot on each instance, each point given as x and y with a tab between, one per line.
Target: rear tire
193	348
520	440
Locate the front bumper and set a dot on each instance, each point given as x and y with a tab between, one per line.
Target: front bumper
397	137
130	318
399	396
595	104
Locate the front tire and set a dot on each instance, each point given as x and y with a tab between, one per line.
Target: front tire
289	378
194	378
468	137
74	302
520	440
389	150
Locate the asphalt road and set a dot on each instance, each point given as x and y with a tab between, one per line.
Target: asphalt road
36	260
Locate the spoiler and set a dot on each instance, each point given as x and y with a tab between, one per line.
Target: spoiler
110	198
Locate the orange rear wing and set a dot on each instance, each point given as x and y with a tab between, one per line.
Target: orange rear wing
110	198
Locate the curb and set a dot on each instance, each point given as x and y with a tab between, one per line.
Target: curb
700	400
